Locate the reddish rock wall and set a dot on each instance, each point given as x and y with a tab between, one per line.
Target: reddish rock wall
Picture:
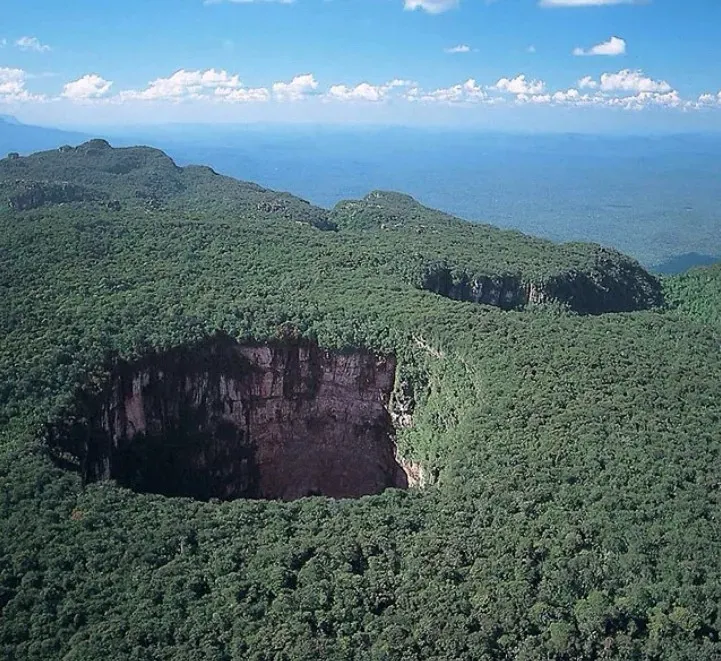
230	421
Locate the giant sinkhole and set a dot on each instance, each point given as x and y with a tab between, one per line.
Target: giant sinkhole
227	420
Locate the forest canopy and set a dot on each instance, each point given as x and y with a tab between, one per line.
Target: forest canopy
562	418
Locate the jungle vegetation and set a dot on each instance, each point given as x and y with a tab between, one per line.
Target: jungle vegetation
572	502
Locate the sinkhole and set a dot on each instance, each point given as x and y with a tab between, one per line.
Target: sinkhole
226	420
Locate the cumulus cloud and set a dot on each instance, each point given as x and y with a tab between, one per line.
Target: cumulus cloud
90	86
627	80
631	90
569	96
208	85
12	81
461	48
647	99
625	90
365	91
297	89
519	85
708	100
184	84
12	86
538	99
431	6
243	94
614	46
32	44
362	92
468	92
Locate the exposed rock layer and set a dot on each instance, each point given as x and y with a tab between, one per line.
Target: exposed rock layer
231	421
35	194
608	288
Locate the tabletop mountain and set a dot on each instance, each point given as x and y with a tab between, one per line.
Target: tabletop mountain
237	426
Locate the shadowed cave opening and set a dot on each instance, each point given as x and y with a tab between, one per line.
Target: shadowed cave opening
226	420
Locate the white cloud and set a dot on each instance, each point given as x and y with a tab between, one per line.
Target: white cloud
519	85
614	46
645	99
631	90
365	91
625	90
570	95
588	3
531	49
431	6
12	81
627	80
185	84
208	85
468	92
90	86
362	92
12	87
461	48
297	89
243	95
706	100
32	44
538	99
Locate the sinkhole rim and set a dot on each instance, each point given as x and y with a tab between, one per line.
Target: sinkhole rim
340	444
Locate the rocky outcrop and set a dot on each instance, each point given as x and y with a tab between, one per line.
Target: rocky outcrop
291	208
36	194
223	420
619	286
610	286
507	292
417	477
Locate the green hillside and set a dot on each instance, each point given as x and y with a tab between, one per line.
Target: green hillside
563	467
697	293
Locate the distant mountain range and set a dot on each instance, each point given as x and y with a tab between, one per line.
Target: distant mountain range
9	119
653	198
25	138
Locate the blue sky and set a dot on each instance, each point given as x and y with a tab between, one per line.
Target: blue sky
531	64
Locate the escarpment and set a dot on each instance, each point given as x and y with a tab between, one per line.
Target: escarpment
416	245
464	261
224	420
31	195
619	287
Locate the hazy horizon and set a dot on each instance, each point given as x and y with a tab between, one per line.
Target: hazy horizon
650	196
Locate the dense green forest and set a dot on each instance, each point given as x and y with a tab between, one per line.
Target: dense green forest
697	293
571	500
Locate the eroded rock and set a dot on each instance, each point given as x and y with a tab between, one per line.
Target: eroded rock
36	194
611	286
224	420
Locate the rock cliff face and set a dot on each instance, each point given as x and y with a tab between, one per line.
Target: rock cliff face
610	287
35	194
224	420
